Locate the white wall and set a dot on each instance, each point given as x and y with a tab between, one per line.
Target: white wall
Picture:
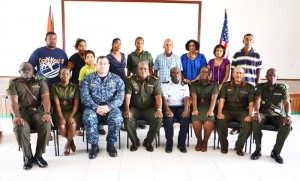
274	23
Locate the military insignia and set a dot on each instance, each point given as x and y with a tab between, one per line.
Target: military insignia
149	85
263	102
229	90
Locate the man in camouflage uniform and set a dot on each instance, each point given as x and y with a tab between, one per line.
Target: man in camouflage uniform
26	97
236	104
102	93
142	101
269	98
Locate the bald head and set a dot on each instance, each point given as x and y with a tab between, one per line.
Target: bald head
271	76
26	70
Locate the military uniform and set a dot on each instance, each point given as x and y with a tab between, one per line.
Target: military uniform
66	97
97	91
142	105
204	91
31	112
270	112
135	58
237	98
175	93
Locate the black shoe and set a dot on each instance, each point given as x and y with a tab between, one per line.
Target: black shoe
102	132
122	128
148	146
135	146
142	126
110	147
27	163
40	161
182	149
169	149
94	151
277	157
255	155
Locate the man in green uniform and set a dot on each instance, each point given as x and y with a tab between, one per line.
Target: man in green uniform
236	104
30	105
142	101
269	98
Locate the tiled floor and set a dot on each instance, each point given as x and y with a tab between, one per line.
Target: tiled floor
155	166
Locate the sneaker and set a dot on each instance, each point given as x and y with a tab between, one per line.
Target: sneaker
102	132
234	131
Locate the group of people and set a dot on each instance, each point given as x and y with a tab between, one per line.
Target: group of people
53	88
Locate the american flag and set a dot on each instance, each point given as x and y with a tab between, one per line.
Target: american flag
224	35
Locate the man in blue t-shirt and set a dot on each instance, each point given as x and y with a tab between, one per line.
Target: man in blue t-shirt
48	60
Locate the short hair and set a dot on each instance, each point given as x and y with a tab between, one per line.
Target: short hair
65	67
197	44
220	46
114	41
248	34
89	51
138	38
50	33
102	57
78	41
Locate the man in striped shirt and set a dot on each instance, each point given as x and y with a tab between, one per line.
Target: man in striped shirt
249	59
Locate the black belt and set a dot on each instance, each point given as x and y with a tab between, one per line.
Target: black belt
28	109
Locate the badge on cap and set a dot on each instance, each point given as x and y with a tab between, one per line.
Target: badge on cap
263	102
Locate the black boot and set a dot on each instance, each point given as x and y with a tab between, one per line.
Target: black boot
94	151
111	150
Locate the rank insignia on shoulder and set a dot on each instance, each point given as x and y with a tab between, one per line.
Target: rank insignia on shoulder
165	82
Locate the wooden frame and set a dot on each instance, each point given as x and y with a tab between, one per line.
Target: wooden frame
144	1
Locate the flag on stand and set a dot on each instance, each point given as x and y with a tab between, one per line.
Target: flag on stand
225	36
50	25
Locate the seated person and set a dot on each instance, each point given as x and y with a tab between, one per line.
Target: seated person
236	104
269	98
142	101
65	96
29	102
102	93
204	95
176	106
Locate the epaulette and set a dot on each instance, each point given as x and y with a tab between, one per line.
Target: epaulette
128	77
153	77
283	86
166	82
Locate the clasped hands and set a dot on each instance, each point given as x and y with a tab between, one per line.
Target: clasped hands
103	110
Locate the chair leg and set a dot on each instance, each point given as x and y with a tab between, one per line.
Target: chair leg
251	138
119	140
188	139
127	140
158	136
215	134
191	130
83	135
55	143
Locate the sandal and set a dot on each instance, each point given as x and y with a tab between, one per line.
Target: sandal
72	146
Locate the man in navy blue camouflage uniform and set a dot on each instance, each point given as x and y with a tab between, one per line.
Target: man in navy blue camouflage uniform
102	93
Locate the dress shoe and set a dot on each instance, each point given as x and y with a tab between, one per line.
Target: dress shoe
277	157
255	155
224	148
148	146
102	132
41	162
182	149
240	152
204	146
135	146
198	146
110	148
27	163
169	149
94	151
122	128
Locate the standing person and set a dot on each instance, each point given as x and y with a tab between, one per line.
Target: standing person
236	104
66	98
249	59
142	101
176	106
139	55
90	67
117	63
102	93
29	103
77	60
165	61
204	95
192	62
269	99
48	60
219	67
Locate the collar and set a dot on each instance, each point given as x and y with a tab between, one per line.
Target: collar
199	82
232	83
251	51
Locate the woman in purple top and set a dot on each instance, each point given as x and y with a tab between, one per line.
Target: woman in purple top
219	67
117	59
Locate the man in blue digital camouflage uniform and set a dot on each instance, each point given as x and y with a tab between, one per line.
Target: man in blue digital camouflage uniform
102	93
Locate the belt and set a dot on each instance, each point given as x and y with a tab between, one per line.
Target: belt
64	102
203	100
28	109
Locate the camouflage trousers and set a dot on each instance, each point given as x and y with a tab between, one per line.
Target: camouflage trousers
91	120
